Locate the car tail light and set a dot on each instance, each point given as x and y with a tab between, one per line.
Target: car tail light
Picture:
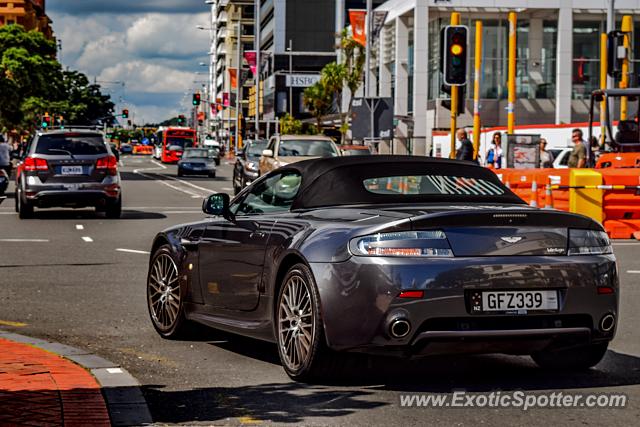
34	164
110	163
411	294
588	242
432	243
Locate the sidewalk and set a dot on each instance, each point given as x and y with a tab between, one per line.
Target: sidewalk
41	388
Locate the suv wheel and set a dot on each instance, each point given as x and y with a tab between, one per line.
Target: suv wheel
114	210
24	208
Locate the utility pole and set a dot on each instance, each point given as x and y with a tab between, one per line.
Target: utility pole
290	77
611	26
367	74
238	80
257	46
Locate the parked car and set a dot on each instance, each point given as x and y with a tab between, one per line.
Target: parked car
561	157
398	255
286	149
355	150
198	161
126	148
68	168
246	168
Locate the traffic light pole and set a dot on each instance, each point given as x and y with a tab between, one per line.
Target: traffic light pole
455	20
603	85
511	114
626	28
476	90
238	84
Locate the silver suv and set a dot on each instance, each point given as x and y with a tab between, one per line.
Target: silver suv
68	168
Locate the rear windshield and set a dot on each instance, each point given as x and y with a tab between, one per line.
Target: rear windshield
307	148
432	185
71	144
356	152
199	153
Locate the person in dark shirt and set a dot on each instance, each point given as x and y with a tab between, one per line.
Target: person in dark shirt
465	149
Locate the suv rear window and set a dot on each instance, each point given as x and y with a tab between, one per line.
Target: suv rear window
75	144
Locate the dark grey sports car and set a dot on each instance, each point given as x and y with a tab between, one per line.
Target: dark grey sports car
397	255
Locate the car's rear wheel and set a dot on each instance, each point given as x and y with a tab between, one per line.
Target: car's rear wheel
165	295
180	173
300	335
574	359
212	175
24	208
114	210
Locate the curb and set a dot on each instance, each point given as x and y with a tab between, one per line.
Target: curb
121	391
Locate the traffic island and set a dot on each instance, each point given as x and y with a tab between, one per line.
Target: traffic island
45	383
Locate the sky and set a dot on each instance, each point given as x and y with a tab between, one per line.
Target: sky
151	45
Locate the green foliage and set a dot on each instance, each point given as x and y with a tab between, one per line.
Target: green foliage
318	99
289	125
32	82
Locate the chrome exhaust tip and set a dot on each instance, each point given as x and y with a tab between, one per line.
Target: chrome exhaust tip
399	328
607	323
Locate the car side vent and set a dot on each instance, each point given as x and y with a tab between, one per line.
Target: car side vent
515	215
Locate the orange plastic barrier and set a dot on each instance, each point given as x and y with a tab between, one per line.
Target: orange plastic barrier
621	208
142	149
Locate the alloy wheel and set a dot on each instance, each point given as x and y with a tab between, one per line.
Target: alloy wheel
163	292
296	322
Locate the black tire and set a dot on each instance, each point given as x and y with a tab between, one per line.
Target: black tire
320	361
114	210
217	162
212	175
180	173
574	359
16	204
236	189
25	209
180	327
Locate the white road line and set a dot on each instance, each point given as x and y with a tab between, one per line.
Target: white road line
132	251
87	239
159	164
79	227
24	240
8	213
180	212
626	244
633	271
190	193
226	189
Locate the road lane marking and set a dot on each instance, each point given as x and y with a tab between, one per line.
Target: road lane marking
87	239
24	240
626	244
159	164
190	193
133	251
633	271
226	189
14	324
79	227
114	370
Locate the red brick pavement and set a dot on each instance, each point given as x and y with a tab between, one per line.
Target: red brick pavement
38	388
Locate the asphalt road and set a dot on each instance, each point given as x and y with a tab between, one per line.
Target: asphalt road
78	278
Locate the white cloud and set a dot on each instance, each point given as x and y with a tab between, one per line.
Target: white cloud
156	54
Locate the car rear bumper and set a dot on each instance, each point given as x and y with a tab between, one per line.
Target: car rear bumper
73	198
197	171
359	300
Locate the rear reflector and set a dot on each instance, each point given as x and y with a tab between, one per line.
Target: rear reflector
411	294
605	290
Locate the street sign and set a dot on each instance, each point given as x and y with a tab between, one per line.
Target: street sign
383	122
302	80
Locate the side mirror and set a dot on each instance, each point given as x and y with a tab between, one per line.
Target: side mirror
217	205
267	153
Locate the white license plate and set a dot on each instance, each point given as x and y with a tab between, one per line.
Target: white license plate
71	170
519	300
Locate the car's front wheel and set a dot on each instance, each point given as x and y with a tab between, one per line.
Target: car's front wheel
573	359
300	336
165	295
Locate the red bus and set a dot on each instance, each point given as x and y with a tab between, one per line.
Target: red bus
173	141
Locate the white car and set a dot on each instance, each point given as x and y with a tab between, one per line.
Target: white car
561	157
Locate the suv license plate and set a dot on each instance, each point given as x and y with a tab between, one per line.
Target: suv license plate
519	300
71	170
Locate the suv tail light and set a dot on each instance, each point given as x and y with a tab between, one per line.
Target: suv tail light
34	164
110	163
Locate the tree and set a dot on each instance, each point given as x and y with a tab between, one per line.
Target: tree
354	60
289	125
319	100
32	82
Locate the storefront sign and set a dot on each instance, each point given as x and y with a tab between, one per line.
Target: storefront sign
302	80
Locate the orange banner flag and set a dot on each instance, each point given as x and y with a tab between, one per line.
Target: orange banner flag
358	25
233	73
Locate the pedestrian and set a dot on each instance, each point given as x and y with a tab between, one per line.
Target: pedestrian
494	156
464	148
578	157
546	157
5	156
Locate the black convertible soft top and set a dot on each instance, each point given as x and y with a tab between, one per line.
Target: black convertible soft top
337	181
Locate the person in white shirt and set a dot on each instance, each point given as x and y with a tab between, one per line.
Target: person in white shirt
494	155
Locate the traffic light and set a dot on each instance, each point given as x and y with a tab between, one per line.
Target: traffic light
616	53
125	114
196	99
46	121
454	54
181	120
446	103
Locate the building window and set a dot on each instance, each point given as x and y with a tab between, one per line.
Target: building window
410	66
586	57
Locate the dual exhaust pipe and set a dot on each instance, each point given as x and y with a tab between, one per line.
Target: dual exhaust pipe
607	323
398	326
